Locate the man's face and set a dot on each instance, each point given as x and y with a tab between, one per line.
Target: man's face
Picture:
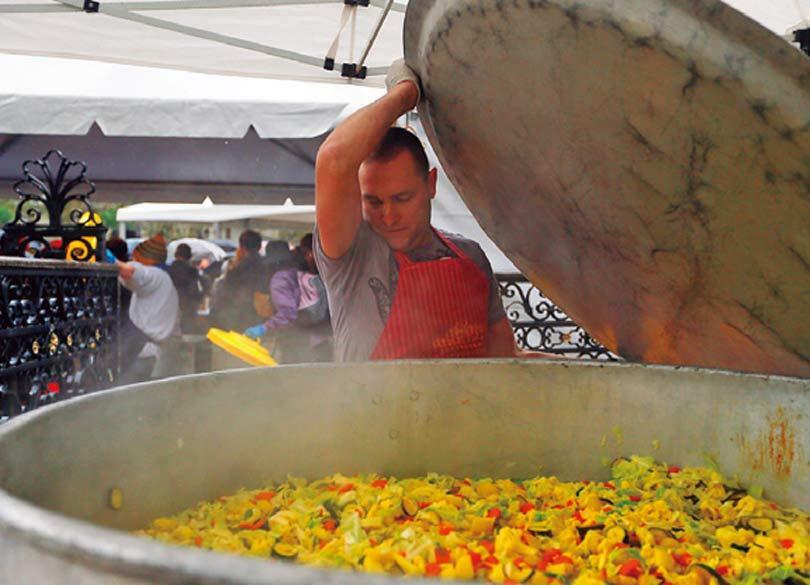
396	200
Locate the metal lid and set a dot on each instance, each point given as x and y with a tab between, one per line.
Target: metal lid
645	163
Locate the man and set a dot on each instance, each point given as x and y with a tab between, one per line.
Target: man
240	295
397	288
154	312
189	288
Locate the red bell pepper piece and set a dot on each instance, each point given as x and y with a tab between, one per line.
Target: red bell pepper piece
255	525
722	570
553	556
494	513
786	543
443	556
433	569
379	483
329	524
673	469
488	546
445	529
346	488
266	496
526	507
631	568
683	559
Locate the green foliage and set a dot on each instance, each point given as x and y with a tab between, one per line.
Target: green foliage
7	207
107	214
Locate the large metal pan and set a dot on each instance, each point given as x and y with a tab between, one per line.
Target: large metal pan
167	445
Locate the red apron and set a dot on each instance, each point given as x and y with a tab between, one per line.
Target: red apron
440	310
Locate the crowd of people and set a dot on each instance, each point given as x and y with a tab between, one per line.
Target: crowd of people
277	297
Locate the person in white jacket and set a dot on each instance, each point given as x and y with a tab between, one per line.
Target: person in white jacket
154	312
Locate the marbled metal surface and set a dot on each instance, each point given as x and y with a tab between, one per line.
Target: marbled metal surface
644	162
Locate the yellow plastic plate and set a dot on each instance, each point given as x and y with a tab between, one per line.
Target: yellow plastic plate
241	346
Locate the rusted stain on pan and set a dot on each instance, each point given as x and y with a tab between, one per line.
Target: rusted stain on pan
775	447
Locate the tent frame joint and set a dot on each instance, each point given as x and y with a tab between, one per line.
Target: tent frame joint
802	36
350	70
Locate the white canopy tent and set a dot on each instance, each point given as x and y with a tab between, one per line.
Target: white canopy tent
68	96
209	212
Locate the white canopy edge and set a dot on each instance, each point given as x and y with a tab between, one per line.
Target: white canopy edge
209	213
126	100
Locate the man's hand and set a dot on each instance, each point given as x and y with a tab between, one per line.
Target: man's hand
399	72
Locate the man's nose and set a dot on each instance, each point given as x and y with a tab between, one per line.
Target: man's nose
390	215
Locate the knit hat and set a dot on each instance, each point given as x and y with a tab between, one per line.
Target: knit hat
151	251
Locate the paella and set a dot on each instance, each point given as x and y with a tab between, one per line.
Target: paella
651	523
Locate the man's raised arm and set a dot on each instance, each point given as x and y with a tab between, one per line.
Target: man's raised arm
337	190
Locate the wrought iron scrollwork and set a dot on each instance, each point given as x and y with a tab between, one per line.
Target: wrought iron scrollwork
540	325
54	217
58	332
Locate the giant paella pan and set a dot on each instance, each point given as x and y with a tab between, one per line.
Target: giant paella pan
645	164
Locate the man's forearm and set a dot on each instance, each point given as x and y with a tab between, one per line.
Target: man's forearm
125	270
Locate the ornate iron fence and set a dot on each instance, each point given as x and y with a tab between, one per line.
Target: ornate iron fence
58	331
542	326
54	218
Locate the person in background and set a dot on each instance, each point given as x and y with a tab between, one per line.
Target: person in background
284	296
117	251
239	296
291	342
397	287
313	294
307	254
189	286
154	312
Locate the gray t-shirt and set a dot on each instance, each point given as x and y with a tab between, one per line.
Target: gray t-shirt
361	285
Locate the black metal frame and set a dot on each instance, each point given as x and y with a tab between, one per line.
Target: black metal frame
49	187
59	329
540	325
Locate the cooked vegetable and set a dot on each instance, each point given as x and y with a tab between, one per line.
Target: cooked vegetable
650	524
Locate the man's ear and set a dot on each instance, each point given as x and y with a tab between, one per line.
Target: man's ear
431	181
